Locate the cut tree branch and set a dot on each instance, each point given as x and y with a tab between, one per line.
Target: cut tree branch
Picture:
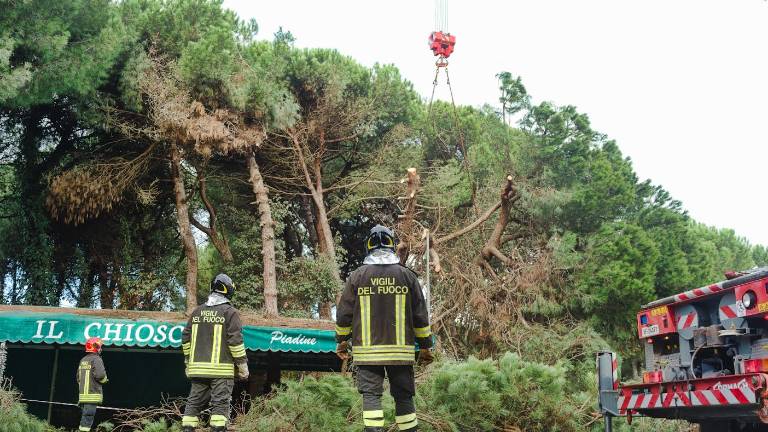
484	217
219	242
406	222
492	246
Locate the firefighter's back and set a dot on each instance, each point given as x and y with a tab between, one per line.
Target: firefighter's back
209	353
389	313
91	376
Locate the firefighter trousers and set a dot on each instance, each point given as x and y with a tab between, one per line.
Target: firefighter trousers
86	420
370	384
217	391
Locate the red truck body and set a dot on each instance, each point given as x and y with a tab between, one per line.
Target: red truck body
706	356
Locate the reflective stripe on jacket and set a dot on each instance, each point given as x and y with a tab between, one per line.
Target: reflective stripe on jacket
383	311
91	374
212	342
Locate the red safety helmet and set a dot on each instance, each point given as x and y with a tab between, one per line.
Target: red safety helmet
93	345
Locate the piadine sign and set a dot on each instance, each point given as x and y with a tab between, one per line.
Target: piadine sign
28	327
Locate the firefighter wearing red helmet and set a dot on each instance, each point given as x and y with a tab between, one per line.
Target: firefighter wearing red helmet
214	354
382	312
91	375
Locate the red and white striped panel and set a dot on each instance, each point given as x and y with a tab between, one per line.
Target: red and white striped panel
722	396
640	401
735	396
615	367
687	321
698	292
729	311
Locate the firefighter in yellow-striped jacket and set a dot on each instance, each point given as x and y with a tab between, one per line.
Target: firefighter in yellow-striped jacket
91	374
382	312
214	354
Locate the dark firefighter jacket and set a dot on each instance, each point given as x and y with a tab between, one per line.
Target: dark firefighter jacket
90	376
382	310
212	342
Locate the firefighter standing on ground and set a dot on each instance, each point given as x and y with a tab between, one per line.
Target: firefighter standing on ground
91	374
214	353
382	312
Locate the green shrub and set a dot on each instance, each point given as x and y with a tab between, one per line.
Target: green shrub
466	394
484	395
160	426
13	415
328	403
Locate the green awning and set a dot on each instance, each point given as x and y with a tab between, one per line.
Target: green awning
62	328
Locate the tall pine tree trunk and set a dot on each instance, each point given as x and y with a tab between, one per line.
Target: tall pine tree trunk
309	219
185	228
313	177
267	236
323	226
326	247
14	295
85	295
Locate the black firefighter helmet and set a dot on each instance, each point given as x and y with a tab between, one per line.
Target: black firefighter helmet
223	284
380	237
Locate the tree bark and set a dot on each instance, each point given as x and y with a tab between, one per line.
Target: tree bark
3	272
309	220
106	294
14	295
492	246
469	227
85	296
324	234
185	229
326	247
218	241
293	241
434	260
406	219
267	236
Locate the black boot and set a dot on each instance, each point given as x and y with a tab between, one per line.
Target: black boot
218	429
187	429
373	429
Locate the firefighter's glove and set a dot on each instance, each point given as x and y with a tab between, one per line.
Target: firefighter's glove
186	366
242	371
425	356
342	350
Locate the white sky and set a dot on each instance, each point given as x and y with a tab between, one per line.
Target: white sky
682	85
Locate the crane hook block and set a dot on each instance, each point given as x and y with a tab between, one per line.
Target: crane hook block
441	43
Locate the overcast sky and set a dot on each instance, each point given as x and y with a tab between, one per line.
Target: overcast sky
682	85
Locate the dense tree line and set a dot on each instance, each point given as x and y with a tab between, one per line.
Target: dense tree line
146	145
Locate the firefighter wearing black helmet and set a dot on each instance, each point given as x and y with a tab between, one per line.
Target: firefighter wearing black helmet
214	354
381	314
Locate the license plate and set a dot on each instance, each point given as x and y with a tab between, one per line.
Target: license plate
651	330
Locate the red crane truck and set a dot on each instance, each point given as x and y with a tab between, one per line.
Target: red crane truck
706	358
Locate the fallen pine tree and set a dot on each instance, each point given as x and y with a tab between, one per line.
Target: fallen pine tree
509	394
13	414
